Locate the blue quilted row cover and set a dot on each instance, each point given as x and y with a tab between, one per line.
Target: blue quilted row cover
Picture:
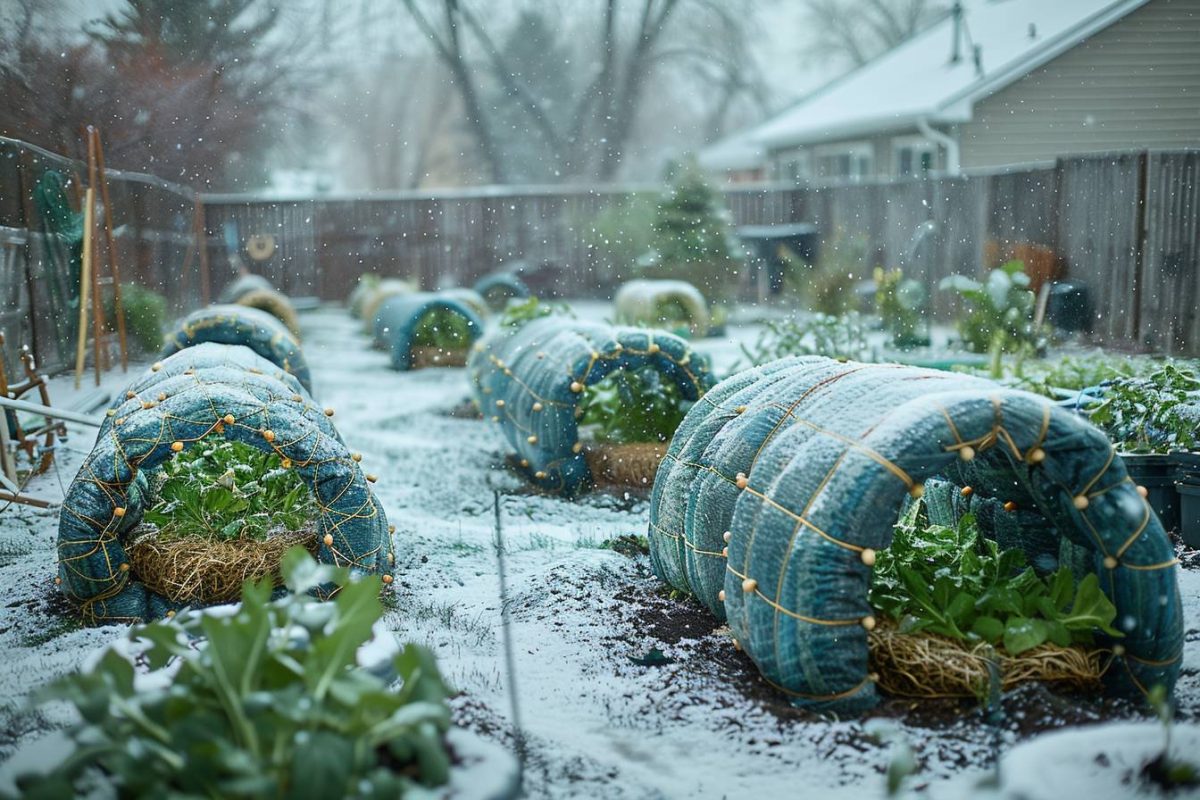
233	324
530	378
210	390
401	315
784	480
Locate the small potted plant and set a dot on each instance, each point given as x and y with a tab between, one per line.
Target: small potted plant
999	319
1155	423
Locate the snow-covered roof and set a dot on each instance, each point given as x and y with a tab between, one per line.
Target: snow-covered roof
736	152
918	80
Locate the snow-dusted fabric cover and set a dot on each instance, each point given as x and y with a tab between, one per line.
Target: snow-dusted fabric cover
243	285
829	451
208	391
637	302
500	287
232	324
400	317
530	378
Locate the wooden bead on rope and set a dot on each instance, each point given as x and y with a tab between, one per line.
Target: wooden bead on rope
749	585
917	491
1143	491
119	511
1010	506
176	447
540	475
721	595
967	453
537	406
356	457
371	478
727	536
653	348
1080	501
741	480
329	412
387	579
499	404
1110	562
868	556
1037	456
269	435
966	491
577	448
868	622
576	387
229	419
328	540
532	439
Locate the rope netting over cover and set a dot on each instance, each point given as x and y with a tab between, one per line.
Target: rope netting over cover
398	326
497	289
656	302
530	380
202	393
783	482
232	324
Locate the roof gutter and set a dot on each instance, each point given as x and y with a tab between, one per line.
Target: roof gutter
953	163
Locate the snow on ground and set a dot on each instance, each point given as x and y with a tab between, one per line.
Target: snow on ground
596	722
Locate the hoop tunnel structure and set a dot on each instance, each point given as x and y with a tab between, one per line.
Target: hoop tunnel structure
783	482
530	379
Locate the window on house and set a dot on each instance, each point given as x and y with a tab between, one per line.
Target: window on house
846	161
913	156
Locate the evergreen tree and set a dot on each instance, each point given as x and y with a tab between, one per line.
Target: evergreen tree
693	237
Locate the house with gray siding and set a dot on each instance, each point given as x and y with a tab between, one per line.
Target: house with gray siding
994	83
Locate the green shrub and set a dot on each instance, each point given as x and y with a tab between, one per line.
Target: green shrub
271	705
631	406
145	316
955	582
900	304
228	490
1155	414
814	335
521	312
619	235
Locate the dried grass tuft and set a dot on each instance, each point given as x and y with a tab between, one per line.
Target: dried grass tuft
627	465
423	357
202	571
927	665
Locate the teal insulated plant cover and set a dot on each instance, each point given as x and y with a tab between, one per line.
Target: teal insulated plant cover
529	379
197	394
500	287
232	324
783	483
400	325
243	285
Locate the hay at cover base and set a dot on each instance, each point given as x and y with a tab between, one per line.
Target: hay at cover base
213	396
782	483
530	380
399	320
238	325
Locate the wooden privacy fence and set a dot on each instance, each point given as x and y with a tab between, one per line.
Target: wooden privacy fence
1124	224
153	227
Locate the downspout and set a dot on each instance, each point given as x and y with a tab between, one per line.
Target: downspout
953	165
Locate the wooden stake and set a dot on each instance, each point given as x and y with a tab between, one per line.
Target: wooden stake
114	267
85	282
97	300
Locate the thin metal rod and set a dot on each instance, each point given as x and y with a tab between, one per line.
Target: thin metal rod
53	413
510	661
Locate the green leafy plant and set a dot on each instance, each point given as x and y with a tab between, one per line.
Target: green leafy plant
955	582
629	406
1155	414
619	235
999	315
228	490
145	315
444	329
265	702
816	334
828	286
900	303
522	312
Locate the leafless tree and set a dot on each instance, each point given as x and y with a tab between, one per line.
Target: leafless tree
855	31
620	49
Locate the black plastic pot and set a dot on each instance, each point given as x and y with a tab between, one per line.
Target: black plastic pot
1159	474
1187	486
